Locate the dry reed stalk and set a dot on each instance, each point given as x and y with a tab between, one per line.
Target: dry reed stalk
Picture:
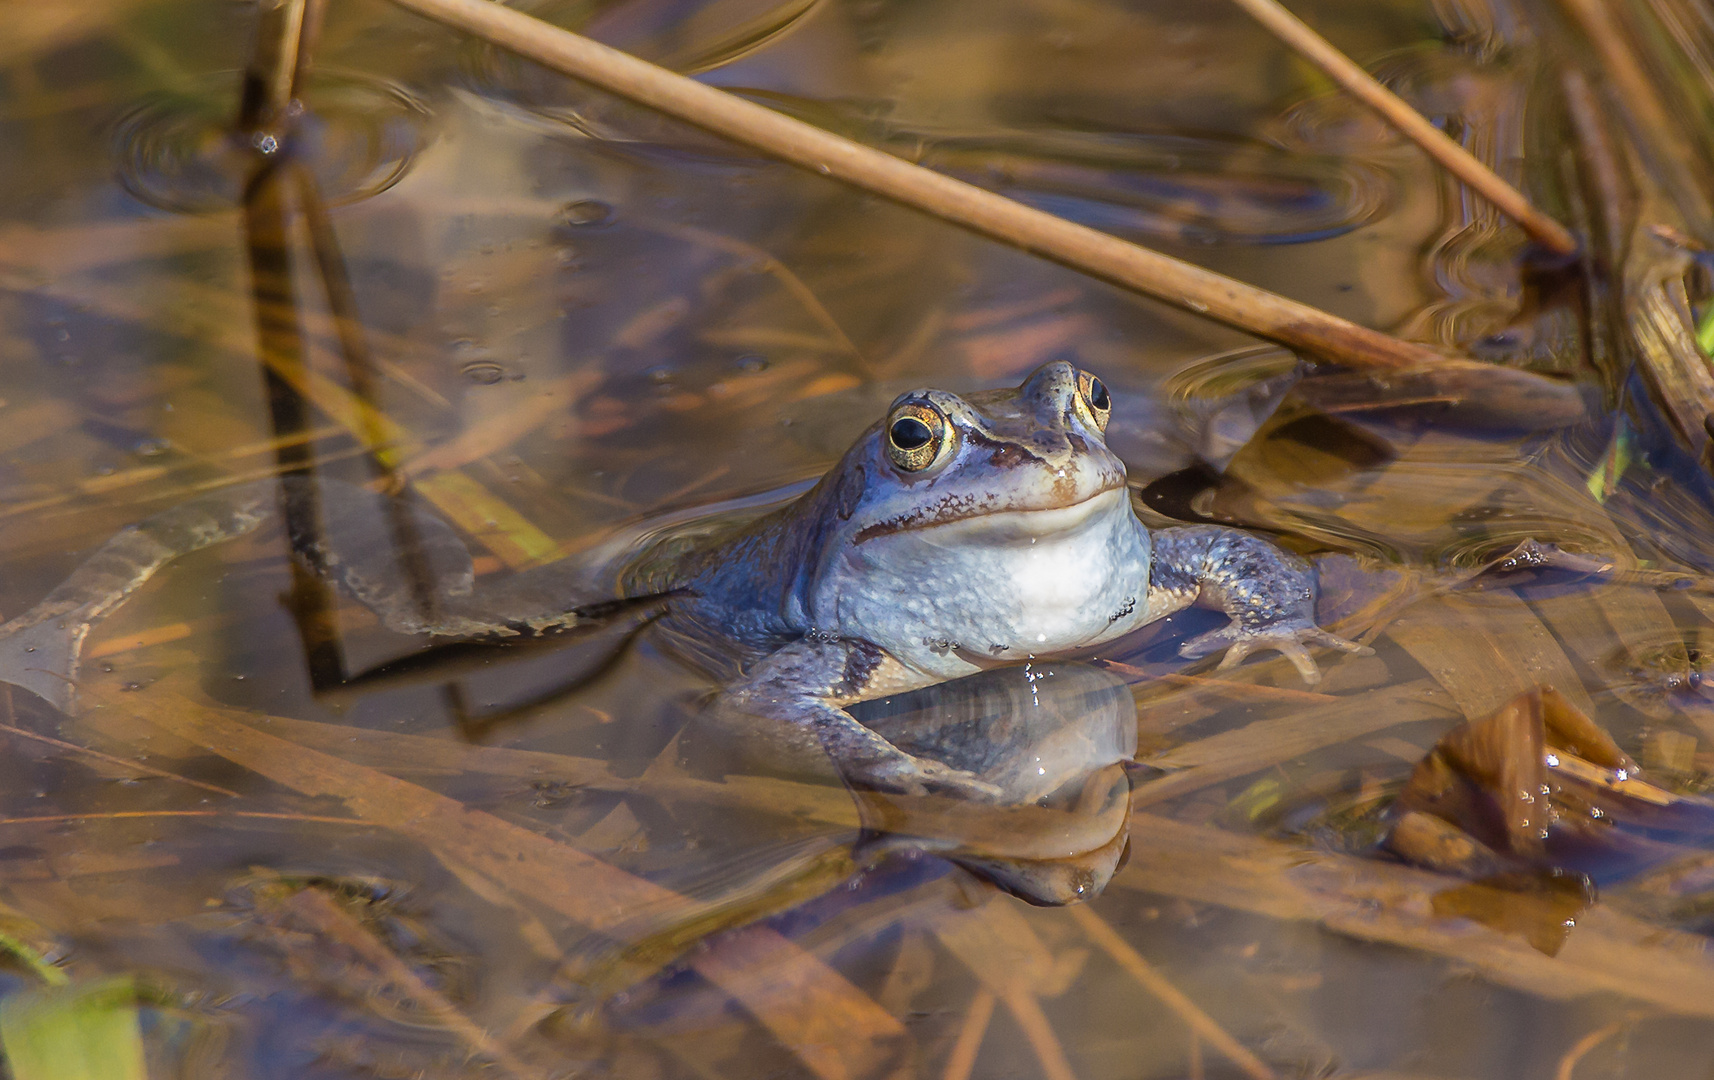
1256	311
314	15
1453	158
271	78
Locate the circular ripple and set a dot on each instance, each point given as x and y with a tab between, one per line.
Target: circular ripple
709	34
1190	189
178	151
1218	377
1332	124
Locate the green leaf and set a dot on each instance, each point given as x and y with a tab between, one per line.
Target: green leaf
84	1031
1604	480
30	958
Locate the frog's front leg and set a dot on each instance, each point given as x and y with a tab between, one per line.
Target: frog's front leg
1268	592
802	687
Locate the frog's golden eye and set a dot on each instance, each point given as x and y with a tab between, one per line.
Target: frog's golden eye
915	436
1092	395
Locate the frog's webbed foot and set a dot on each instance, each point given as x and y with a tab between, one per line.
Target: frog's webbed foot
793	693
1268	592
1290	639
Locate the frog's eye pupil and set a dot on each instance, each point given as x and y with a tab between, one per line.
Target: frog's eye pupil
909	433
1098	395
1094	401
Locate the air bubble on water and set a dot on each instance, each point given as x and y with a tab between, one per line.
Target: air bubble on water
483	372
585	212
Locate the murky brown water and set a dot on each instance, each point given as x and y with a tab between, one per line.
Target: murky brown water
551	314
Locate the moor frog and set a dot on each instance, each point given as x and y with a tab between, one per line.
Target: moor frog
958	533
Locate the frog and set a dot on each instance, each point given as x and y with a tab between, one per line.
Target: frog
958	533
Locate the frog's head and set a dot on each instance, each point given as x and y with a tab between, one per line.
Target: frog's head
940	458
980	520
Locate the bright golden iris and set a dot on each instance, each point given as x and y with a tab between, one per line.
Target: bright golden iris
1092	395
916	434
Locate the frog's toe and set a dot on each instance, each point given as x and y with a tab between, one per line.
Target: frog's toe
1289	647
1315	635
1290	641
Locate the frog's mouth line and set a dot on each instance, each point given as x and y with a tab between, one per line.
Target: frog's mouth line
1006	524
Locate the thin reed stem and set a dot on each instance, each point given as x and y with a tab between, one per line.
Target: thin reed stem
1256	311
271	78
1456	160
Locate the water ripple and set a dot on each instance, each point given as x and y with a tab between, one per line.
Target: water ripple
687	37
178	150
1198	189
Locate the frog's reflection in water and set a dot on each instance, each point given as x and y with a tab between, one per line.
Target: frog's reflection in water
1053	736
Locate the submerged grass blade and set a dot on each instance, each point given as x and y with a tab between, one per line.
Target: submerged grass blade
838	1031
126	764
997	944
1236	753
962	1060
1487	650
322	914
1370	900
30	958
1050	1052
81	1031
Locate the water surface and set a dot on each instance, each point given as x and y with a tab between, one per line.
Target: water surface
547	316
